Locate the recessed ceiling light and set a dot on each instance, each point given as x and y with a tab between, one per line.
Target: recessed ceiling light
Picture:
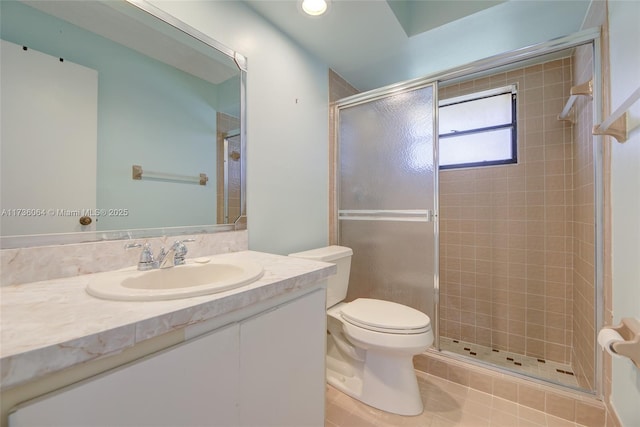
314	7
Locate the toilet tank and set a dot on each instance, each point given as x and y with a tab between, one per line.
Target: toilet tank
338	283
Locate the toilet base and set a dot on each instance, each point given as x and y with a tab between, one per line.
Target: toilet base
374	383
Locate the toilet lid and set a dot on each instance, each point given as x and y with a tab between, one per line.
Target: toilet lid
385	316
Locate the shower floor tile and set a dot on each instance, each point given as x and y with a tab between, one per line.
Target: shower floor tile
545	369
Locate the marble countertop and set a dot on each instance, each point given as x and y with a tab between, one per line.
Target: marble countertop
51	325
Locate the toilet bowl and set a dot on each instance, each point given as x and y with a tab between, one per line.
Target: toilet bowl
371	343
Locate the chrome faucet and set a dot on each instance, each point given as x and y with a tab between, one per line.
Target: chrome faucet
166	258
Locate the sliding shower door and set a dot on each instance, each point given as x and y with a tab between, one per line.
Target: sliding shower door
387	177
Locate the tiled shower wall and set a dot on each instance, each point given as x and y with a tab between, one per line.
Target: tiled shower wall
225	124
506	235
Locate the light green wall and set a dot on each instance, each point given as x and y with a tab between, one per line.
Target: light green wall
624	39
287	131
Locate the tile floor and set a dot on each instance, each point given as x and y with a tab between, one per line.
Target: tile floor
446	405
546	369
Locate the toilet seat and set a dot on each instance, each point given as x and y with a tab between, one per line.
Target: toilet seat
385	316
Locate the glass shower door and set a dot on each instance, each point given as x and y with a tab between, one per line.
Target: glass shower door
387	177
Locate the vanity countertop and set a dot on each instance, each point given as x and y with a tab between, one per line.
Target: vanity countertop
52	325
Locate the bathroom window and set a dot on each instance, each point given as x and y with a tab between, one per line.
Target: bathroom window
478	129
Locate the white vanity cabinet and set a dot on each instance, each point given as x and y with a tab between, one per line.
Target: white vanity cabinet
265	370
179	386
282	376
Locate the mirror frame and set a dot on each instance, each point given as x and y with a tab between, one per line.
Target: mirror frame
24	241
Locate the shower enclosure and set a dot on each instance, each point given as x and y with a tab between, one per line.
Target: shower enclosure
506	259
230	158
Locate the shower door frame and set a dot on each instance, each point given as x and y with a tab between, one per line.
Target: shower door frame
410	215
226	153
584	37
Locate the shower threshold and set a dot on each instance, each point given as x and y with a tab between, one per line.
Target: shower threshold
527	365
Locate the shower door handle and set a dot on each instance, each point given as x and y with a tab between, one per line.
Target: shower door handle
408	215
431	215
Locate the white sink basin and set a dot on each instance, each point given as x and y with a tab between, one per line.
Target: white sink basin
189	280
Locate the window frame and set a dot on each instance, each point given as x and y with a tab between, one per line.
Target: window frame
513	125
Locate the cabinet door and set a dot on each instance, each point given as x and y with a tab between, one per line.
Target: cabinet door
282	365
193	384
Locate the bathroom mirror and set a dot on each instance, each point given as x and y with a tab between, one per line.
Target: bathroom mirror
117	121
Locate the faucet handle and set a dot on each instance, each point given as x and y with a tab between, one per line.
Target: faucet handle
146	256
146	261
181	250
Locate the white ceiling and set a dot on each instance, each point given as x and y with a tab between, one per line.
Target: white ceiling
373	43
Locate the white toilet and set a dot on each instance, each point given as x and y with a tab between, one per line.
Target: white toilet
371	343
